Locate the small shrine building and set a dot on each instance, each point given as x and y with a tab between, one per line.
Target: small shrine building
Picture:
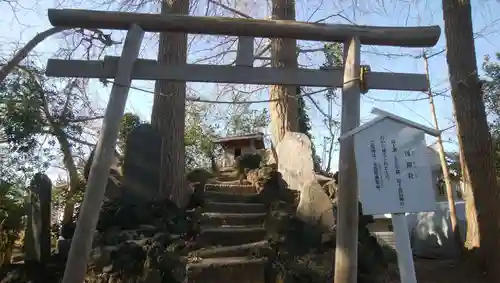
235	146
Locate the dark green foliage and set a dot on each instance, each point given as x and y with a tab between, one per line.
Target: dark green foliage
21	112
36	113
25	97
129	122
333	54
11	216
305	126
21	123
491	88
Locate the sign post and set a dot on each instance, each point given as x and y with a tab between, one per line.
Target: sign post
394	176
403	248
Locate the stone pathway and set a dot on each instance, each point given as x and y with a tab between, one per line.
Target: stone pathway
233	228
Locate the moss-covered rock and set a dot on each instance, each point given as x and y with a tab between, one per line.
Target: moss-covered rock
261	177
134	242
141	242
246	162
138	258
162	214
306	254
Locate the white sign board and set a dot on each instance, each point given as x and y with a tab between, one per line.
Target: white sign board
394	174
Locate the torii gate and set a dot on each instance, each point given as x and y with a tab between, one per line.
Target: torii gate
127	67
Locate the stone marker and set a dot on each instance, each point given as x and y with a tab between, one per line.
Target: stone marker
141	164
297	170
37	243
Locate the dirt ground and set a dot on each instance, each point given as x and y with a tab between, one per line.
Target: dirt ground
444	271
440	271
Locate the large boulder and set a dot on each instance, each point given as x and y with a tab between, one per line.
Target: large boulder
140	242
315	207
297	170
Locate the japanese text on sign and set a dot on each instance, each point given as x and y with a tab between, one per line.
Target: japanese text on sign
384	154
376	170
394	175
408	163
401	196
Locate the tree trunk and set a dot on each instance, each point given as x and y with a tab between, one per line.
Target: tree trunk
472	126
74	178
69	163
472	236
284	113
169	110
450	194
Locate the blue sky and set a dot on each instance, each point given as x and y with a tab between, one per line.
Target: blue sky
30	18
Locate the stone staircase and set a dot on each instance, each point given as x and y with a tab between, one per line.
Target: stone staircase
232	229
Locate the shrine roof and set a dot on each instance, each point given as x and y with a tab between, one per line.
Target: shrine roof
255	136
382	115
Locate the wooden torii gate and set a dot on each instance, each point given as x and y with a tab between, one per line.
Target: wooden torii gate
127	67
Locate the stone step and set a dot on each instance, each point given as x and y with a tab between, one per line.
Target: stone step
226	169
231	188
231	235
255	249
217	218
228	269
233	207
228	177
231	197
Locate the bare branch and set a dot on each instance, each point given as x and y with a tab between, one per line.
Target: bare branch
98	35
85	119
241	14
80	141
23	52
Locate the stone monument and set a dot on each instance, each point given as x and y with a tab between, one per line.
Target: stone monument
37	243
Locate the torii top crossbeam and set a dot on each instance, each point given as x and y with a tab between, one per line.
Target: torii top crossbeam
371	35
